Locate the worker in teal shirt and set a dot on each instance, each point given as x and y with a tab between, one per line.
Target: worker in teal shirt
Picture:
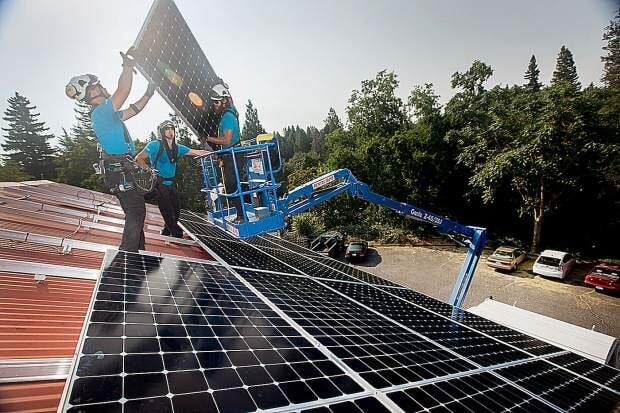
163	155
228	136
108	119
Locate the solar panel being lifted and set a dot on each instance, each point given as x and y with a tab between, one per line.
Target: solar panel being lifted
167	53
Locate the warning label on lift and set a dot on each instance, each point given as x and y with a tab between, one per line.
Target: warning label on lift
323	181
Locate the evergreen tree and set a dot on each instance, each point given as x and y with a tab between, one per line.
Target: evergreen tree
26	142
251	126
531	75
78	152
189	173
332	122
611	61
565	70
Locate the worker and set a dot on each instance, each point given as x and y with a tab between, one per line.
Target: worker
117	147
227	137
163	155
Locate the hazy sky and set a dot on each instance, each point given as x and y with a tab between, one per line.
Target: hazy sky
295	59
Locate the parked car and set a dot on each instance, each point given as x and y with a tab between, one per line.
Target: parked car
604	277
356	250
506	258
555	264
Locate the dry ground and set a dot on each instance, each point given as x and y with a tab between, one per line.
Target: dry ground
432	271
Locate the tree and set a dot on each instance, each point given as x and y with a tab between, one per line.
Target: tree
531	75
189	178
332	122
565	70
78	152
10	171
252	126
611	61
26	142
375	109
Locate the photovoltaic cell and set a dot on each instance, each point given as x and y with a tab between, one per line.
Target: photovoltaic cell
383	353
472	345
365	405
562	388
502	333
166	334
599	373
438	341
196	227
168	54
481	392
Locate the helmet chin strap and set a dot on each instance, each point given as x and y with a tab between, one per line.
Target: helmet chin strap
101	93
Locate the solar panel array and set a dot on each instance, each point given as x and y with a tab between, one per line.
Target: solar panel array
167	53
421	353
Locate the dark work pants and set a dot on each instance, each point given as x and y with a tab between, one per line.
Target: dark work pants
135	212
230	180
170	209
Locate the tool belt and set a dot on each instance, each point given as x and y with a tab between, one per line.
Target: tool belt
117	172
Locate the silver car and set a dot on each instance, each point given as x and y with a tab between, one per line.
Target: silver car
506	258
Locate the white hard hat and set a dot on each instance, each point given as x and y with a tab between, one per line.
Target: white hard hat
76	88
219	92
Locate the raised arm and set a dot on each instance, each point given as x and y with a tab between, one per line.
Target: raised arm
137	107
124	82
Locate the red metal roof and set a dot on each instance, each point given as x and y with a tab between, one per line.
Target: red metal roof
43	321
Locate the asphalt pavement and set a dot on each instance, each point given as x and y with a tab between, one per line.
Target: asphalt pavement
432	271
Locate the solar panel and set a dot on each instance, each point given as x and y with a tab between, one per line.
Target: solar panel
424	354
502	333
167	53
164	334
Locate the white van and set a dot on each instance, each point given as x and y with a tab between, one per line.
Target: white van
554	264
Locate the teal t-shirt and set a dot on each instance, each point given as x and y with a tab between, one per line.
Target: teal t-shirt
229	121
110	130
165	169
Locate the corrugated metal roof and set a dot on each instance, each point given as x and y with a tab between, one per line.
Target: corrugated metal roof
42	322
39	397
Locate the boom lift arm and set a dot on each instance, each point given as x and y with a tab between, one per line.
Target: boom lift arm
266	212
310	194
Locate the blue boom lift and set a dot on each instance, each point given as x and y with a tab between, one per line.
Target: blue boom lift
256	182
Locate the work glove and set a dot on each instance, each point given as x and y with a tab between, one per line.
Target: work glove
128	60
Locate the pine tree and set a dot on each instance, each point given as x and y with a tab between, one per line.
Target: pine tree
531	75
251	126
611	61
332	122
565	70
26	142
78	152
10	171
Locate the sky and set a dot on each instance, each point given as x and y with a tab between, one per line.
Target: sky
295	59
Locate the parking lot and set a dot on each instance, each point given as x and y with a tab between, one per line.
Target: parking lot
432	271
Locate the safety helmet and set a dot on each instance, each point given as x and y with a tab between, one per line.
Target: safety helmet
165	124
77	86
219	92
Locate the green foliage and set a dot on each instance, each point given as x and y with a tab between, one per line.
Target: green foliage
375	108
26	142
611	60
189	175
10	171
78	152
565	70
531	75
307	225
252	126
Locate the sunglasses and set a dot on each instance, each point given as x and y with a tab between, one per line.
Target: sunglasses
168	127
